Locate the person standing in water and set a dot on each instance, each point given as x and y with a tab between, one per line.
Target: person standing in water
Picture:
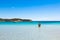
39	25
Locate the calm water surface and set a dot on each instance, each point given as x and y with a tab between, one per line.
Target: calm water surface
29	31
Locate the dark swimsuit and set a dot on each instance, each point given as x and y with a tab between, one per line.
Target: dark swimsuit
39	25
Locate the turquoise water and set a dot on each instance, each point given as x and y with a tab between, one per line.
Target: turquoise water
49	30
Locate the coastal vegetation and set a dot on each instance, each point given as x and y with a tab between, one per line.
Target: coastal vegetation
14	20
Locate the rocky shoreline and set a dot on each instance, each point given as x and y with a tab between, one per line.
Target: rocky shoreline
15	20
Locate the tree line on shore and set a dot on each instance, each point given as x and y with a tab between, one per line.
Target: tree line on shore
13	20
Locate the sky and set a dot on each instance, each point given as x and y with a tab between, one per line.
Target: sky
43	10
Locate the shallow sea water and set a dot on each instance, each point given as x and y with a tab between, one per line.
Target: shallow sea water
30	31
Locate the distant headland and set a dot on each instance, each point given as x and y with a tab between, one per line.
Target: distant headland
14	20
